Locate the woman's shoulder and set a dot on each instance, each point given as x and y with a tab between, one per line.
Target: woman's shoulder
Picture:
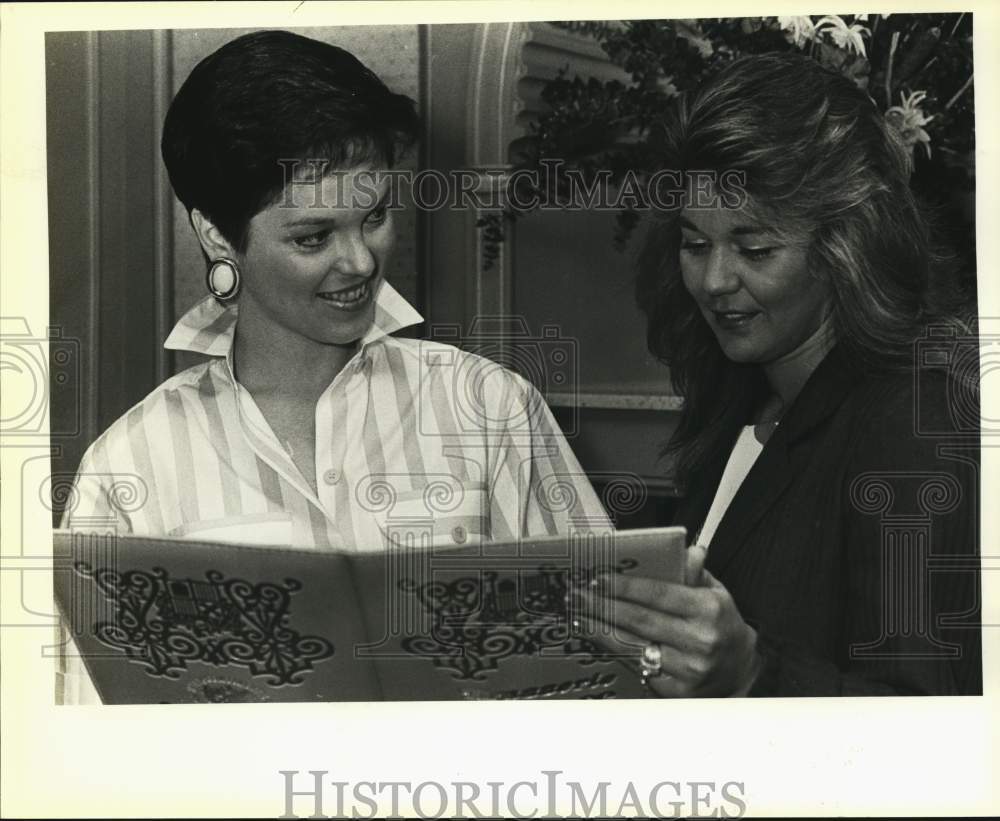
932	383
919	399
898	419
191	379
467	366
438	352
483	391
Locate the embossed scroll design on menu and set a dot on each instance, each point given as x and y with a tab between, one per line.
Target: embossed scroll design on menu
477	621
165	623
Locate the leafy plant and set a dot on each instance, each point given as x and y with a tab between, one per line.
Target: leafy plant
916	67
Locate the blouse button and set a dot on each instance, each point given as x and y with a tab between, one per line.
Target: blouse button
331	477
459	535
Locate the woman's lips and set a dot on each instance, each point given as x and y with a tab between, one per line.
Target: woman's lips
349	299
733	320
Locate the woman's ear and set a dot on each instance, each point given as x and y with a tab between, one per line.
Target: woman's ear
213	243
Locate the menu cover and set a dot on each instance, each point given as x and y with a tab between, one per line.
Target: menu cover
172	620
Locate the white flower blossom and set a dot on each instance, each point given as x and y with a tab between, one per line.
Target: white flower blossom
909	120
691	31
798	30
843	35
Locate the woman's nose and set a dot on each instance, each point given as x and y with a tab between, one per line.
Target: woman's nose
720	273
354	257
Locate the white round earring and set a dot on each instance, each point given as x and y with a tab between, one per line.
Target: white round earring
223	279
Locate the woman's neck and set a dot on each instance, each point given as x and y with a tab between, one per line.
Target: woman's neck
788	374
269	358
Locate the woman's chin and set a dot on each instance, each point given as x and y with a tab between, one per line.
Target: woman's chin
350	334
346	331
743	351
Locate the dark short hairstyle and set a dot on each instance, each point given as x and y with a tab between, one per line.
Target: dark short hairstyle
271	96
821	161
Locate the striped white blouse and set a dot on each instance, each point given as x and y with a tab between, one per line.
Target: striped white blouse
410	433
415	441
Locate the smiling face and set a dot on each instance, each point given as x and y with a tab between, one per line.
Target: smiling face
752	287
314	260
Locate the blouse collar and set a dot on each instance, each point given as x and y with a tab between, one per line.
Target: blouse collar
209	327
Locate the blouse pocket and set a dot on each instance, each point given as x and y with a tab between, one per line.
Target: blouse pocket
264	529
445	512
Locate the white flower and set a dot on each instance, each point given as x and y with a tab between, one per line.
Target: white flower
798	30
909	120
690	31
843	35
666	85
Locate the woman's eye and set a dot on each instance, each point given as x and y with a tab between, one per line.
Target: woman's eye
377	216
312	240
693	246
756	253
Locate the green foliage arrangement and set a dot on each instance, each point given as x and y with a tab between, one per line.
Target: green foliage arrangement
916	67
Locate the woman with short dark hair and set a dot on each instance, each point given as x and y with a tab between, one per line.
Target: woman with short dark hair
252	108
790	317
311	426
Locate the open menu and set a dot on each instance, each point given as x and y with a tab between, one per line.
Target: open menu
171	620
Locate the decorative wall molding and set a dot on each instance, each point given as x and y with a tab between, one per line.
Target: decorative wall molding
547	50
510	63
163	203
107	278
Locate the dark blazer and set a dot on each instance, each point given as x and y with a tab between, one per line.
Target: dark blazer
852	545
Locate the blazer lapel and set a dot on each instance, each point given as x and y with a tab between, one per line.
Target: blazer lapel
762	486
781	460
692	507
